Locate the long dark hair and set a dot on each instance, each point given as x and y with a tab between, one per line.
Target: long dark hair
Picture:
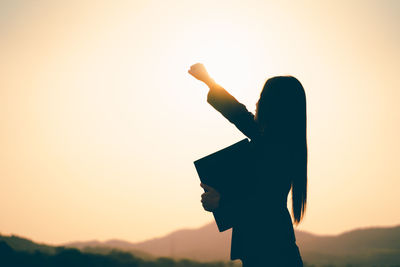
281	114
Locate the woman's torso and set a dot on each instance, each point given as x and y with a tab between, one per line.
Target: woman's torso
266	224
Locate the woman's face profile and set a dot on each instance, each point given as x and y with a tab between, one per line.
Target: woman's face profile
258	102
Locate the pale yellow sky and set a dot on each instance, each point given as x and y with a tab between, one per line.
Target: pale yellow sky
100	121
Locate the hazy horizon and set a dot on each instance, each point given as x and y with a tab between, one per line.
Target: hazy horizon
101	122
190	228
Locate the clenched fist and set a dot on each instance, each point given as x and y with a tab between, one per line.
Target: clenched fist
200	73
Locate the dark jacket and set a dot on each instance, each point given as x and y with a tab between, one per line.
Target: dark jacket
262	221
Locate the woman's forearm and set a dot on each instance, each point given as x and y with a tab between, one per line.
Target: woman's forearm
211	83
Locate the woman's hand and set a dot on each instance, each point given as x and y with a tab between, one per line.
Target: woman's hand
200	73
210	199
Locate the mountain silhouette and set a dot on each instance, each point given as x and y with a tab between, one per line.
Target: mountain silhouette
66	257
203	244
364	245
22	244
374	246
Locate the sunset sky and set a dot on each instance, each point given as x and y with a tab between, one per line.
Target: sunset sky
100	122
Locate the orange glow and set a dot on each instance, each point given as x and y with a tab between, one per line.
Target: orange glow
101	122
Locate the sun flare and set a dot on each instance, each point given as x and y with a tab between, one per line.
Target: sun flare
228	53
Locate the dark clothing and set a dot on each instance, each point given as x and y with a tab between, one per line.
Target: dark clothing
285	258
263	229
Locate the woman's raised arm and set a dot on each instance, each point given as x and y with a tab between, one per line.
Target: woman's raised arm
226	104
233	110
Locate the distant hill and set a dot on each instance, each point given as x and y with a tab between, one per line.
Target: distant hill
67	257
22	244
375	245
203	244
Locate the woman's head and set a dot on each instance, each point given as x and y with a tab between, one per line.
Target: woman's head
281	114
282	104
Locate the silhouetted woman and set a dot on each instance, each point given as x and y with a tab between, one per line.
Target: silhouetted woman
263	233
